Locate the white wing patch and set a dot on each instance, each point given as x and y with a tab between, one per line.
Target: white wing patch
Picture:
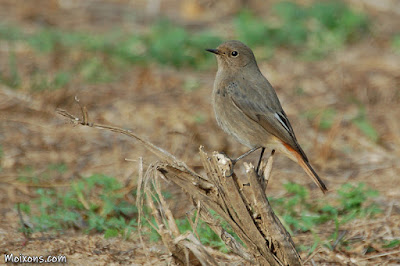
282	122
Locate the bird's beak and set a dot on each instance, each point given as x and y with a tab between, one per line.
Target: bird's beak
214	51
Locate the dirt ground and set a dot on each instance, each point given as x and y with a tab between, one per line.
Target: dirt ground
152	102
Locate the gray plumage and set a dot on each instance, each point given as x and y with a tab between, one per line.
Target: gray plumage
247	107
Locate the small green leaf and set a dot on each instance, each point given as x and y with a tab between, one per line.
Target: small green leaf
24	207
365	126
396	43
392	244
111	232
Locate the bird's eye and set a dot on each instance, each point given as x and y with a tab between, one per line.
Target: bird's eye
234	53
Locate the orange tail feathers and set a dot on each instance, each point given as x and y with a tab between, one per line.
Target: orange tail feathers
307	168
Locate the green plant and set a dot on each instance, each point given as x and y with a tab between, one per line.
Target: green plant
207	236
354	201
44	81
252	30
326	117
93	204
392	244
364	125
94	70
168	44
310	31
9	32
105	57
301	214
313	30
12	79
96	204
396	43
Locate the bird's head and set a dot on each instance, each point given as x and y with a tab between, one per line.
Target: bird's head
233	55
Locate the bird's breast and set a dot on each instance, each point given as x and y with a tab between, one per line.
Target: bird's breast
232	119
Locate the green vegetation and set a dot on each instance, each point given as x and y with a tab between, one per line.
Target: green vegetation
311	30
171	45
326	117
26	174
206	235
396	43
364	125
392	244
43	81
96	205
93	204
103	57
300	213
13	79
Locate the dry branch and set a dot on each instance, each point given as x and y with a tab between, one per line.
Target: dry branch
245	209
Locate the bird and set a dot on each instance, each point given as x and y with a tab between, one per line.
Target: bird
247	107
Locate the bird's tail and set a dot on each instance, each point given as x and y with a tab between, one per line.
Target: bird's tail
310	171
303	162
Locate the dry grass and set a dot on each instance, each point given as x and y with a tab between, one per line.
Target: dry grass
151	101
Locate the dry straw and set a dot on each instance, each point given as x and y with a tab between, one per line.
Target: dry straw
245	208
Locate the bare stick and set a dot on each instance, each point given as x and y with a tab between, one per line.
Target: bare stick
161	153
249	214
139	204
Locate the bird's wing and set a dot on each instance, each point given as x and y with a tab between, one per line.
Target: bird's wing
262	106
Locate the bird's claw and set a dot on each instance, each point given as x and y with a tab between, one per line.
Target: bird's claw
233	161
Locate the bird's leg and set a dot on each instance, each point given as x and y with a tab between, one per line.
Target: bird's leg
245	154
234	161
259	161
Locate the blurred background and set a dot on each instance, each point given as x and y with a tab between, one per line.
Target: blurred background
141	65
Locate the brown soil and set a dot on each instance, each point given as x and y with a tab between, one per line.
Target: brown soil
152	102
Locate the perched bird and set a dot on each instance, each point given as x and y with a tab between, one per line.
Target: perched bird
247	107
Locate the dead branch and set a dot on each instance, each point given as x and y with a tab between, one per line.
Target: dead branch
245	209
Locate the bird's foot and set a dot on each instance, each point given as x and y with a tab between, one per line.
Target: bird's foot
231	170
